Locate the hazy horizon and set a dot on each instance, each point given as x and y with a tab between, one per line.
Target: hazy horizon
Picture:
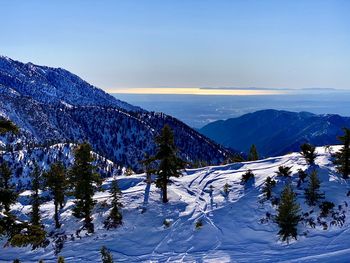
199	110
185	44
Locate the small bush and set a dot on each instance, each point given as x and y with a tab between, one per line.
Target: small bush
227	189
302	175
129	172
248	175
326	207
166	223
199	224
106	255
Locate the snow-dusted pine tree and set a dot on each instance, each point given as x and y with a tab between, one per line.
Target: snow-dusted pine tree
288	214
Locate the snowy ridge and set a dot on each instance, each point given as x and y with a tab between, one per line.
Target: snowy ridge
235	227
51	85
52	105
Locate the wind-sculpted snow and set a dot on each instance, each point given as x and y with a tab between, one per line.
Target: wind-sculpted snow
235	226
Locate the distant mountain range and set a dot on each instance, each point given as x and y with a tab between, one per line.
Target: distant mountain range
276	132
52	105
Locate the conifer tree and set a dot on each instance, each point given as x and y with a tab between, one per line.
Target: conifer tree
7	126
8	195
288	214
308	151
168	162
342	158
284	171
148	167
115	217
312	193
60	259
253	153
302	175
35	198
268	186
28	235
106	255
83	177
56	181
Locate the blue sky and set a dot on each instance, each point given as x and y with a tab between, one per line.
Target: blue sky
184	43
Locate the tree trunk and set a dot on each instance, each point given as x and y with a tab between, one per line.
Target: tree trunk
165	191
57	223
88	224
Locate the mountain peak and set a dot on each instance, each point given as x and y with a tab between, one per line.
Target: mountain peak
52	85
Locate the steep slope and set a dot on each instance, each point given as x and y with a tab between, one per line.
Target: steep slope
235	228
276	132
53	105
54	85
21	162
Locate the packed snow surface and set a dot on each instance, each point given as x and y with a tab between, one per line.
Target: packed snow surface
235	227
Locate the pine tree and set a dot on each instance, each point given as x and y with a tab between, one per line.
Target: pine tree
312	194
308	151
253	153
342	158
35	198
28	235
268	186
106	255
284	171
8	195
168	162
83	178
288	214
16	261
302	175
7	126
56	181
148	167
115	217
60	259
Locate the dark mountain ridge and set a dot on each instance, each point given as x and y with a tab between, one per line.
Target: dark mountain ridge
276	132
52	105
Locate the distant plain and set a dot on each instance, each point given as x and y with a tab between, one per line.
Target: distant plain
199	110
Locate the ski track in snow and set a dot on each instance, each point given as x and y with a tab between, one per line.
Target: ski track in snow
231	230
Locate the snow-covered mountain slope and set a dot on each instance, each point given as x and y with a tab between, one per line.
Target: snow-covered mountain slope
54	85
53	105
21	162
236	228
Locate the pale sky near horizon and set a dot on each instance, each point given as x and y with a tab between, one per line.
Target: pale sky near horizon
184	44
